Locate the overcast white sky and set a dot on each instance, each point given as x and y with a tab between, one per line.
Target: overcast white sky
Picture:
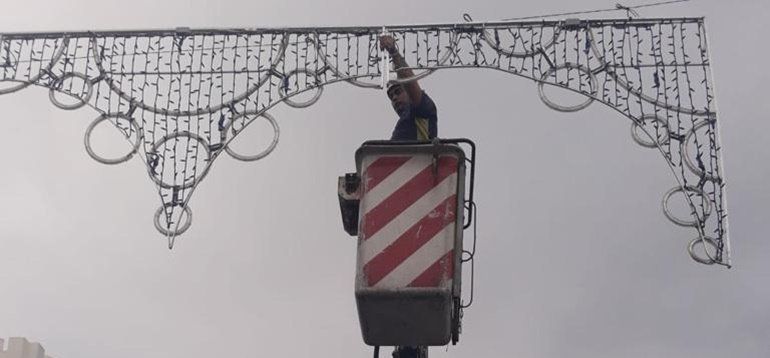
575	256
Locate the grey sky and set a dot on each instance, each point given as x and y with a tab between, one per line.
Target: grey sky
575	257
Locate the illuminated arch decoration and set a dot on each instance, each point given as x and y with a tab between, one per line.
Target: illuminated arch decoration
181	96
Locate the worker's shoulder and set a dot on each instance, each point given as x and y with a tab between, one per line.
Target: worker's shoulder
426	103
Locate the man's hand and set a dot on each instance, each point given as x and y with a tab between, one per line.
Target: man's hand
388	43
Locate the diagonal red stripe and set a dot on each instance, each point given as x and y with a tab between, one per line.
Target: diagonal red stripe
410	241
406	195
381	168
432	277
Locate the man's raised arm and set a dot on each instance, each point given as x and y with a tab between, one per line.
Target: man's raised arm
388	43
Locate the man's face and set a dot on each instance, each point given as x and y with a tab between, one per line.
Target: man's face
398	98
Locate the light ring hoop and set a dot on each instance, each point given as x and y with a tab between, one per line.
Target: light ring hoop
260	155
125	158
682	222
319	89
591	83
649	143
686	153
157	178
81	101
706	241
180	229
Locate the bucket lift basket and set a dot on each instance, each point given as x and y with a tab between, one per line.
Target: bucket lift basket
407	205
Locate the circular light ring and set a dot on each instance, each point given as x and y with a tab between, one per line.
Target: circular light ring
686	153
82	101
181	229
649	143
262	154
192	183
541	84
295	104
682	222
103	117
706	241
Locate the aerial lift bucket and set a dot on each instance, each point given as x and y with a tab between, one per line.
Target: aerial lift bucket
406	205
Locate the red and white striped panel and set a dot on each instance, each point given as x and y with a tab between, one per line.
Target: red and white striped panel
408	221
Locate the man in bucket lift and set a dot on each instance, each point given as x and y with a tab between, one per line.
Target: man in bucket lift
417	119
